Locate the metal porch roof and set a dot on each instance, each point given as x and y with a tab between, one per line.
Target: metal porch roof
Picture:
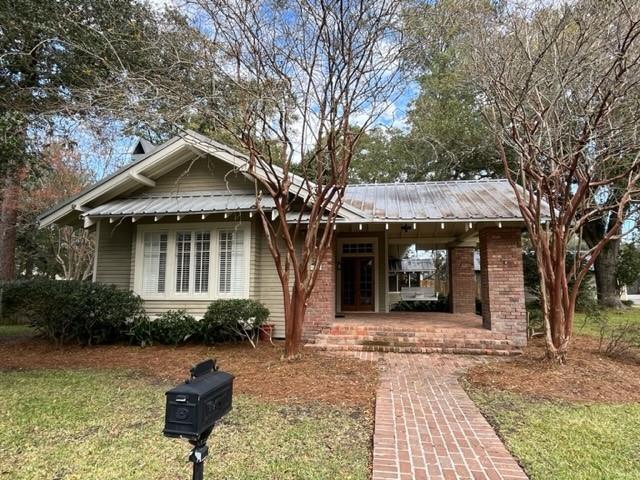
437	201
185	204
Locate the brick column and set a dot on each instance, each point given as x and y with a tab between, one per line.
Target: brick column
503	302
321	307
462	280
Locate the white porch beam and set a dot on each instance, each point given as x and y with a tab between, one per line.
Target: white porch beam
134	219
88	222
157	217
467	239
142	179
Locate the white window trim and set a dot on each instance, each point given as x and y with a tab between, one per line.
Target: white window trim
214	260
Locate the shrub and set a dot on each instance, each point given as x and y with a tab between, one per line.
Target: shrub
232	319
616	340
440	305
170	328
66	311
535	325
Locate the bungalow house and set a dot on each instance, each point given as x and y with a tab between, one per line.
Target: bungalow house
178	227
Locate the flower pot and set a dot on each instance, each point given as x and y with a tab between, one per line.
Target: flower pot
266	332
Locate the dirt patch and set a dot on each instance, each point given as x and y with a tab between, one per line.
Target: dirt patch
260	373
587	377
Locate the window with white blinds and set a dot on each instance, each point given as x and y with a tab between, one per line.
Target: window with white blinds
154	263
183	261
189	262
231	267
202	255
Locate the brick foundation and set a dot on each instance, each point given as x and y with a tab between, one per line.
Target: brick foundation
503	301
462	280
321	307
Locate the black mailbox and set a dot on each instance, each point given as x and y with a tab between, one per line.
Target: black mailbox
194	406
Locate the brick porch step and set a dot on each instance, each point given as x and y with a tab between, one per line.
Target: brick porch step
404	349
423	339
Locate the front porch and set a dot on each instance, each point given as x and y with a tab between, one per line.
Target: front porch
416	288
413	332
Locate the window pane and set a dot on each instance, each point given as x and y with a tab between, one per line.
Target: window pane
154	262
183	261
357	248
231	263
393	282
203	248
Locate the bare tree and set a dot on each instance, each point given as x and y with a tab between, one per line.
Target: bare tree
304	80
74	251
561	85
56	251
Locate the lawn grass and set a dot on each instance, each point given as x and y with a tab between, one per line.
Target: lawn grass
585	325
15	330
562	441
77	424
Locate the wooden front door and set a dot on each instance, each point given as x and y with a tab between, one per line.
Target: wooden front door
357	290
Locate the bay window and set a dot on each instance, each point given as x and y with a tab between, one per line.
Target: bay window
189	261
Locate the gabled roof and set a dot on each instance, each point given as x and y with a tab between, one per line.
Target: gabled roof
486	200
189	141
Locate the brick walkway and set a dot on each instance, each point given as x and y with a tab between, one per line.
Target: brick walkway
427	427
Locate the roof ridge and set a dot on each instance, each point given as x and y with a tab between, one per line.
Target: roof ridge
422	182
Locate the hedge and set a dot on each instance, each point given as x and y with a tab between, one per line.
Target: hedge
73	311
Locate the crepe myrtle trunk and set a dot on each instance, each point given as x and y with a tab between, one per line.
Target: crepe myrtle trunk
606	273
558	305
294	321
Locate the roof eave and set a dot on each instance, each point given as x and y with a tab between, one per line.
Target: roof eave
114	180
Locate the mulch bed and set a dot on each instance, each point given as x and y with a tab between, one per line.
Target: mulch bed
588	376
259	372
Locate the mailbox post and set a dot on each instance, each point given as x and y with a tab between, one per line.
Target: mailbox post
194	406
